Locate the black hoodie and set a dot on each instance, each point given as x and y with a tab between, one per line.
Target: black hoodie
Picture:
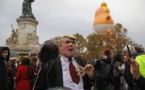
50	50
48	53
3	69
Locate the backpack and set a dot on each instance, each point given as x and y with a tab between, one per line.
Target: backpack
116	72
34	77
103	72
47	66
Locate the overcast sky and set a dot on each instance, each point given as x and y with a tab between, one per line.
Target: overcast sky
59	17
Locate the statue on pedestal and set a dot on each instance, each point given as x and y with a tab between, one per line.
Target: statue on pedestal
24	38
26	9
13	38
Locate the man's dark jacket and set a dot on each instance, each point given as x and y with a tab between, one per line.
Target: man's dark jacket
54	76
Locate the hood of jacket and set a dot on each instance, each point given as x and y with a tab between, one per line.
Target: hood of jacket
4	48
50	50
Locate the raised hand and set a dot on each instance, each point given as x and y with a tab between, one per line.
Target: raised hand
89	70
134	68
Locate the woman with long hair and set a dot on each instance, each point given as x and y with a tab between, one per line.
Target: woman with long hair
23	75
118	58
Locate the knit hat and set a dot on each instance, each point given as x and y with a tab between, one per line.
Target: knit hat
107	52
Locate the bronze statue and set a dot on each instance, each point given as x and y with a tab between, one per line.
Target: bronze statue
26	9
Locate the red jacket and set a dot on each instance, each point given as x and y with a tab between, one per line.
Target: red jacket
22	82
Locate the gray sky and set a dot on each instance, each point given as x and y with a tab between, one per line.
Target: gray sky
58	17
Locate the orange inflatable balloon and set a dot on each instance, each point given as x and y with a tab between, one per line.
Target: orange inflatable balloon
109	32
103	20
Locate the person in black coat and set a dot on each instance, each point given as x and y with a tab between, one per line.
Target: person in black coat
102	74
131	74
138	80
56	72
62	66
4	58
118	58
48	52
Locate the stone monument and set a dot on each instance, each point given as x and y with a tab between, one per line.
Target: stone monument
24	38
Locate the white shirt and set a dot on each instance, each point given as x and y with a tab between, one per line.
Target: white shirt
67	81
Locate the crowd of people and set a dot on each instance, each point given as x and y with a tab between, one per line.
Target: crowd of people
56	67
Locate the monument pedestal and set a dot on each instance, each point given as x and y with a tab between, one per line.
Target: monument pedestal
24	38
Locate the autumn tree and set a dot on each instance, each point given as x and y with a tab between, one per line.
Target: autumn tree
80	44
117	40
94	46
56	39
